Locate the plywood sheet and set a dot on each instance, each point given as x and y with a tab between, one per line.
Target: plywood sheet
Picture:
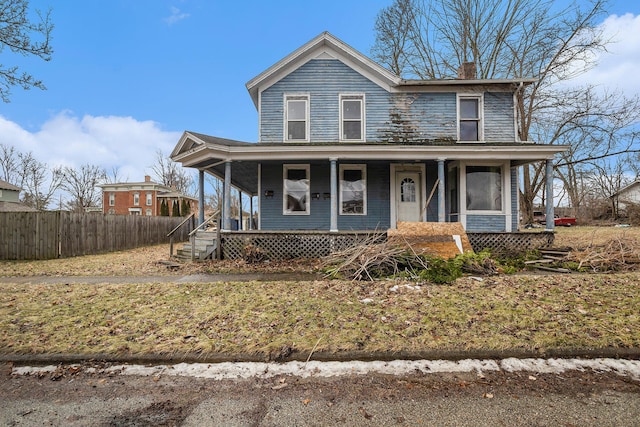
441	239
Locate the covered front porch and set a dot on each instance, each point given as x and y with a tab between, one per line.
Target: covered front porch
403	182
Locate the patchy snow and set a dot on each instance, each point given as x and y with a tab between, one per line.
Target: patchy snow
240	370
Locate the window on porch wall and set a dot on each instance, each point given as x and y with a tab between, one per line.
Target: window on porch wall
484	188
353	190
296	189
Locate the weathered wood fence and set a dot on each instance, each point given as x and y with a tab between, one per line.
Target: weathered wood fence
48	235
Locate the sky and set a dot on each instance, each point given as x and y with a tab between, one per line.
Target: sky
127	77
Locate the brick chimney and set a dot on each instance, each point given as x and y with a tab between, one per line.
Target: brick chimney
147	178
467	71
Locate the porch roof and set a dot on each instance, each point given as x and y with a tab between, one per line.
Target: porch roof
209	153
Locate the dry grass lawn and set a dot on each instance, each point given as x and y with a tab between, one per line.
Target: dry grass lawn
526	312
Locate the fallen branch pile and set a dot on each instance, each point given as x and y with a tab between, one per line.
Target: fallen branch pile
374	257
619	254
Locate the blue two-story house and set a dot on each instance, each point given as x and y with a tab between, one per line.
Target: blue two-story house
344	144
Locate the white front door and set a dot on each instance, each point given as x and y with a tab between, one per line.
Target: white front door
408	197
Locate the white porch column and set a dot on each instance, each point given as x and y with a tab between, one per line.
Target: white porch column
240	210
251	211
226	207
441	194
334	195
200	196
549	213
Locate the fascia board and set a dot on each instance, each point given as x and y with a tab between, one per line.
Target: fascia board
375	152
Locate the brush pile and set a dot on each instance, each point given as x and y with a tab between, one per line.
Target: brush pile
619	254
373	257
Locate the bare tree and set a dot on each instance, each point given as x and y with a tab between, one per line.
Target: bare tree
515	39
37	182
171	174
82	186
16	32
9	170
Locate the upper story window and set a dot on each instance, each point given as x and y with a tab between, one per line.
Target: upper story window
470	118
112	199
296	190
136	199
296	117
149	199
353	189
352	117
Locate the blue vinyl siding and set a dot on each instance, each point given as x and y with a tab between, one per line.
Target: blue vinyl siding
378	209
324	80
499	122
479	223
515	215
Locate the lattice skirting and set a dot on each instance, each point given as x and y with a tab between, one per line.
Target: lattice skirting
510	243
277	245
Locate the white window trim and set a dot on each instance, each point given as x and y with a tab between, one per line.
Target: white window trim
285	168
363	127
480	98
149	199
363	168
112	199
297	97
505	171
136	199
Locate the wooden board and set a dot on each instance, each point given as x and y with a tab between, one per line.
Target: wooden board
433	238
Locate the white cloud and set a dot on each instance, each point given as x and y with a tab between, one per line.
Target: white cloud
107	141
618	68
175	16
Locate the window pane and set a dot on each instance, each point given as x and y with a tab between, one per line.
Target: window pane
353	189
408	190
296	130
468	108
296	188
352	109
352	130
469	131
297	110
484	188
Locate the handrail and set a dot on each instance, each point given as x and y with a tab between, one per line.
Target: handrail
215	214
181	224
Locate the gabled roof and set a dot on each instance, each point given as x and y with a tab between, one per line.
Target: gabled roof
628	187
324	46
4	185
327	46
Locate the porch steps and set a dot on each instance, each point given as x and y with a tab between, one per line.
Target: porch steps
205	246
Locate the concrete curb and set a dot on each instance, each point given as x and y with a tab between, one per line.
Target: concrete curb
454	355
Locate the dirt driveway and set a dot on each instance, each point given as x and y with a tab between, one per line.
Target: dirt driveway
90	394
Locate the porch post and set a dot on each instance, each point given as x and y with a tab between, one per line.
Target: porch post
441	195
200	196
550	223
240	210
251	212
334	196
226	208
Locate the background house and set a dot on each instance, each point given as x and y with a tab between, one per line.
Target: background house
145	198
344	144
10	199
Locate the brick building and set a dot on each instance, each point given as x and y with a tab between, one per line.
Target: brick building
144	198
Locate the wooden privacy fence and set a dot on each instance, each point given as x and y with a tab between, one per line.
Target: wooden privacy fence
48	235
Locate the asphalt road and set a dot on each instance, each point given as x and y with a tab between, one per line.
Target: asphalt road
95	395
